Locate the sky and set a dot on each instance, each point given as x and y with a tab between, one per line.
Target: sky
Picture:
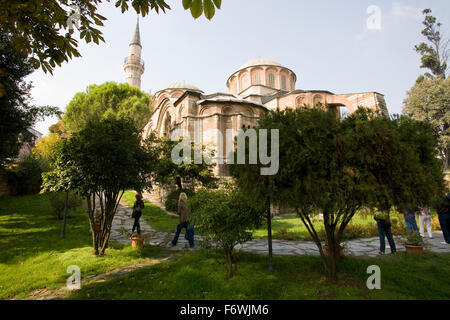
326	43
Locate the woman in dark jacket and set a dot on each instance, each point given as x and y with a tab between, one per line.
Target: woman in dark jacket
137	213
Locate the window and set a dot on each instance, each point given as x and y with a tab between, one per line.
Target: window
257	78
245	83
271	80
283	83
235	89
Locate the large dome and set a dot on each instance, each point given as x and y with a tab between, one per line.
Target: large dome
260	62
183	85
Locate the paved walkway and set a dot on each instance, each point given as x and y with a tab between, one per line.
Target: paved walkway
368	247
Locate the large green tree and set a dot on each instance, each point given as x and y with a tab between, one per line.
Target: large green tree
336	167
435	52
45	30
100	162
106	100
429	100
17	114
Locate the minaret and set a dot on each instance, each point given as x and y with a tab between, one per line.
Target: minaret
133	64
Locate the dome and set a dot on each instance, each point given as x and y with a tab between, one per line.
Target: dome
183	85
260	62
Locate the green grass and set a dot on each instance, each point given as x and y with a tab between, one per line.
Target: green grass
153	215
201	276
33	255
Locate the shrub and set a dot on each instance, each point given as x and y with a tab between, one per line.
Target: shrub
58	201
26	176
171	202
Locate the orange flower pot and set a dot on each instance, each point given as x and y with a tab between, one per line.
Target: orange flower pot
137	241
414	250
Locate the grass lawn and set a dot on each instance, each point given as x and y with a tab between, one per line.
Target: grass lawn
33	255
201	276
154	215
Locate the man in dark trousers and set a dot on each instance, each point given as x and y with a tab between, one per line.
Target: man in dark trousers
444	218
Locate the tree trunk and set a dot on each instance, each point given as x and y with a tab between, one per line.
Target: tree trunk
179	184
229	255
269	235
332	246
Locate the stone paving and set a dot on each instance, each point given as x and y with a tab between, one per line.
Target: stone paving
368	247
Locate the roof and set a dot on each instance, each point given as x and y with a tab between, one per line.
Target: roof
183	85
260	62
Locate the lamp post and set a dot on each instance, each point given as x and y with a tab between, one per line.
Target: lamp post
63	232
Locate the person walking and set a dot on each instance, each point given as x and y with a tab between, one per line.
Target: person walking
384	230
444	218
184	215
410	221
137	213
425	218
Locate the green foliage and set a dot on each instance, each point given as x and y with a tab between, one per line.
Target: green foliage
47	147
58	203
102	161
16	113
171	202
225	218
434	53
168	173
109	100
338	167
25	176
429	100
413	238
46	30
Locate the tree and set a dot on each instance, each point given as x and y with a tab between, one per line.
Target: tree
167	172
435	53
336	167
100	162
44	30
16	112
47	147
107	100
225	218
429	100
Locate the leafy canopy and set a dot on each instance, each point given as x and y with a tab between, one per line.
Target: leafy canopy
44	30
108	100
17	114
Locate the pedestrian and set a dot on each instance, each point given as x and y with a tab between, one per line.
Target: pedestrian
384	230
183	221
137	213
425	218
410	221
444	218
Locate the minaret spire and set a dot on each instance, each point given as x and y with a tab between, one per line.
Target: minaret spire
134	65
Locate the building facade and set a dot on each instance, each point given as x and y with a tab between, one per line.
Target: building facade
258	86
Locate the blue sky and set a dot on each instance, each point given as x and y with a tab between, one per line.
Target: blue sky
327	44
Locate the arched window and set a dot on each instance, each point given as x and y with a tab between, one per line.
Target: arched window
271	80
257	78
235	89
283	83
245	82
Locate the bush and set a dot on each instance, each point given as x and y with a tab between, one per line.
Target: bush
58	200
26	176
171	202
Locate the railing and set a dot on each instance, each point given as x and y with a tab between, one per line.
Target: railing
130	59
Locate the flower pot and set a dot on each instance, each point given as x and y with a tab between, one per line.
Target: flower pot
338	253
137	241
410	249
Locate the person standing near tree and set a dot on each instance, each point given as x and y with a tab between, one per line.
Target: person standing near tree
424	217
444	218
184	213
137	213
410	221
384	230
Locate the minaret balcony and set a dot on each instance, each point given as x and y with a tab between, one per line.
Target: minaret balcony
134	60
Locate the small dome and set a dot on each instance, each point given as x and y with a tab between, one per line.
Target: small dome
183	85
260	62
